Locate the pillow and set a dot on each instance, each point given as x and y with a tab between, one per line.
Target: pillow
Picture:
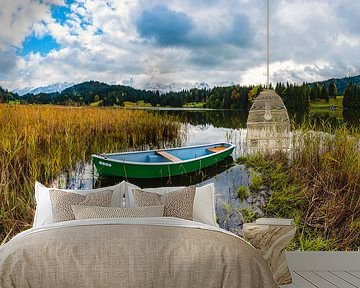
43	212
177	204
204	202
129	197
204	205
91	212
61	202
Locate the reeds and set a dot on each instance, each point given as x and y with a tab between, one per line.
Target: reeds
41	142
328	164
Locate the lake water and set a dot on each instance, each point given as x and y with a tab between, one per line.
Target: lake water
206	126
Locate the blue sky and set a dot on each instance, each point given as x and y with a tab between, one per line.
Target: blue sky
33	44
144	42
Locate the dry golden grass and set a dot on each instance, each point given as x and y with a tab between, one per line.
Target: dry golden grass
328	165
39	142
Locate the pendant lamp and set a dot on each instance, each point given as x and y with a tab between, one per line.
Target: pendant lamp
268	125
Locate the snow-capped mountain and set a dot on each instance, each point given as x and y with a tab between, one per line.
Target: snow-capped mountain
178	86
225	83
174	87
153	86
57	87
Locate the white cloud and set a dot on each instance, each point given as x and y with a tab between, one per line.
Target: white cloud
310	41
21	18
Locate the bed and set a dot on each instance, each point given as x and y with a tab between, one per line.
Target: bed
131	252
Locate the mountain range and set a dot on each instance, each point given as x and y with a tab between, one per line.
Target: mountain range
150	86
341	84
56	87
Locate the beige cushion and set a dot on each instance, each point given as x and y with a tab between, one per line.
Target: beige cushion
43	212
93	212
204	201
61	202
178	203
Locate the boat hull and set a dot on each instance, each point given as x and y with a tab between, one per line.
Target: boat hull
108	167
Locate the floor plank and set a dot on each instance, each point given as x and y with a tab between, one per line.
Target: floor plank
301	281
355	273
338	282
348	277
324	269
323	261
316	280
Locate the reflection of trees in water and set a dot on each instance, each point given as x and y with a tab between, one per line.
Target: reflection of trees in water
297	116
217	118
352	116
237	119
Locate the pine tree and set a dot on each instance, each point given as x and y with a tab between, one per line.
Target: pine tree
332	90
324	93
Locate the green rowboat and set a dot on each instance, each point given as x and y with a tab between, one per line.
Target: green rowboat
161	163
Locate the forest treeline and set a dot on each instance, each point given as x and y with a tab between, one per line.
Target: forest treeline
295	97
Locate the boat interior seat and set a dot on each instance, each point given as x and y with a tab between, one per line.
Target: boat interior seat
216	149
168	156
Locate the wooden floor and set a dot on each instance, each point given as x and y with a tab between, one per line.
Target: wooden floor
324	269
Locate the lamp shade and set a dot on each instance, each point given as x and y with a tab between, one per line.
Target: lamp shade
268	125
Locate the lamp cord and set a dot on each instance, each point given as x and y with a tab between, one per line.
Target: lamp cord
267	46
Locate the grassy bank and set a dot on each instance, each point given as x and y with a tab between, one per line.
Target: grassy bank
321	104
41	142
140	103
319	187
194	105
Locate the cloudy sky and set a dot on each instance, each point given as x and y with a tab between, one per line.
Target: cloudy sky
136	42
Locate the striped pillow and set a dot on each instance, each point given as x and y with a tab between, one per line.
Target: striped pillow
94	212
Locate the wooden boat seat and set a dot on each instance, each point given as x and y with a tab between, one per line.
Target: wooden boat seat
168	156
216	149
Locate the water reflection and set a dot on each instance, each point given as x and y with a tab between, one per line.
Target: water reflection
352	117
217	118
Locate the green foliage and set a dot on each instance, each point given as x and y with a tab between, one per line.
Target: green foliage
230	97
253	93
248	214
352	96
96	104
256	181
243	192
294	96
194	105
340	84
285	202
317	243
319	104
7	96
332	90
324	93
228	208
